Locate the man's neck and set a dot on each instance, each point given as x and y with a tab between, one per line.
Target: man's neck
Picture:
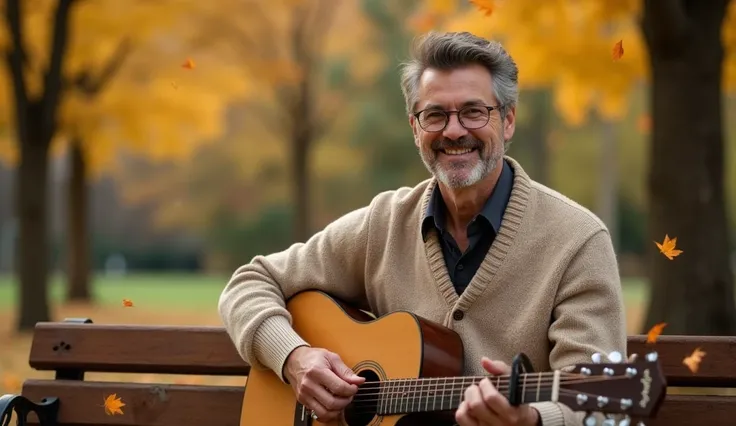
463	204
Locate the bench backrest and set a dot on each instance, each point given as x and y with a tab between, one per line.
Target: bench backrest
72	349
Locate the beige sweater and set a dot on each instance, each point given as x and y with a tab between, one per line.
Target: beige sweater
549	286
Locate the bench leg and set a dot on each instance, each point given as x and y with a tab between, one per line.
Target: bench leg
47	410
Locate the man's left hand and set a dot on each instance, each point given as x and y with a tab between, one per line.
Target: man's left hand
485	406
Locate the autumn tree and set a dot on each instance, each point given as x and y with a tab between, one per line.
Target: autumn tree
679	47
66	104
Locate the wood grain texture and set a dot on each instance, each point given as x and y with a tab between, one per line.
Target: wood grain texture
718	368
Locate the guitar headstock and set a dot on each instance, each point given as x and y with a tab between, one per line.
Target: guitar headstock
608	385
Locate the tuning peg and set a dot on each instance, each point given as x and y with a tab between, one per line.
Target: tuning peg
652	356
609	422
596	357
633	357
626	421
615	357
590	420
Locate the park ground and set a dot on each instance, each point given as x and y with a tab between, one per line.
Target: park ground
163	299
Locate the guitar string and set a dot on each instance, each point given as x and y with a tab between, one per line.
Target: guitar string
461	387
441	382
373	408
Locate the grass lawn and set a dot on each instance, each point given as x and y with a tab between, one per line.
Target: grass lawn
158	299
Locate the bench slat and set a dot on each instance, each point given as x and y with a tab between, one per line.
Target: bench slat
180	405
716	369
209	351
145	404
136	349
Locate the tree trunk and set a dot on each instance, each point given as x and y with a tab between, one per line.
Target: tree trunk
694	293
608	185
539	129
78	289
31	204
301	142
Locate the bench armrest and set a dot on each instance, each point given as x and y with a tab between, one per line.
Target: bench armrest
47	410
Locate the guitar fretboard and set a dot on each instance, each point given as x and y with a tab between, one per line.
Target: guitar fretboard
400	396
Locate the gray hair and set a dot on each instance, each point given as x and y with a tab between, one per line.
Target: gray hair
446	51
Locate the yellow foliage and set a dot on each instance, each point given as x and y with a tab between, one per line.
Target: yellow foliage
562	43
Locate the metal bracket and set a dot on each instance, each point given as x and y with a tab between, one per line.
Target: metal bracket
47	410
66	373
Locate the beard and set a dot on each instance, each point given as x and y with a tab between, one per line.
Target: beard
461	172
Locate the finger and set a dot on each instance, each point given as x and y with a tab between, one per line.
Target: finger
329	401
477	407
463	416
335	384
496	403
495	367
312	404
343	371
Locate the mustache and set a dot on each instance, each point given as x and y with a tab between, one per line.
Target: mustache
462	143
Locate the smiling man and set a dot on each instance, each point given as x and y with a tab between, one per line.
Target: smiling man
509	264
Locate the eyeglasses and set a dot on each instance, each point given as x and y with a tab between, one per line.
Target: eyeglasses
471	117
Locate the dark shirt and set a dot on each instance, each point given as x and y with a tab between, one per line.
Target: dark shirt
482	230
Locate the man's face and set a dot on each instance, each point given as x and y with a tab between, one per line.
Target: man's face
456	156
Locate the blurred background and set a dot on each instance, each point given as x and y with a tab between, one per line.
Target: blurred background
147	149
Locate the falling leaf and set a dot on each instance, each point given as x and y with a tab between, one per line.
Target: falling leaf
486	7
693	361
127	303
113	405
618	50
10	383
189	64
667	247
655	331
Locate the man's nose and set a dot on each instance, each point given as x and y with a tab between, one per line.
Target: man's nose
454	130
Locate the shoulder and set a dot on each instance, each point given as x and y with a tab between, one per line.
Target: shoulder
558	206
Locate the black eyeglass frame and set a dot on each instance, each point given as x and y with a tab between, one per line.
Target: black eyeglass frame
459	119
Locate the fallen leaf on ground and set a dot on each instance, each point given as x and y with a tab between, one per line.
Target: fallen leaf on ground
618	50
113	405
484	6
189	64
127	303
655	331
667	247
693	361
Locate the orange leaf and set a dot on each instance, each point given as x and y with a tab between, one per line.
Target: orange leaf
127	303
693	361
486	7
655	331
189	64
618	50
11	383
113	405
667	247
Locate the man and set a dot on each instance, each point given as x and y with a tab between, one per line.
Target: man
509	264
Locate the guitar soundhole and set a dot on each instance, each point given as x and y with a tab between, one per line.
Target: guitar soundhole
362	411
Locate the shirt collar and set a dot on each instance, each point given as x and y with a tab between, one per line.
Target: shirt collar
492	210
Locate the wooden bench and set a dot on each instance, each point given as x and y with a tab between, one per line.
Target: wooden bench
75	347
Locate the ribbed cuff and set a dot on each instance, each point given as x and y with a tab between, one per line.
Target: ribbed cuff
550	413
273	341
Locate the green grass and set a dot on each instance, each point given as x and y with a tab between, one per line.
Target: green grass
170	290
192	291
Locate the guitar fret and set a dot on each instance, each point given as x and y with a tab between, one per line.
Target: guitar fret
539	385
523	389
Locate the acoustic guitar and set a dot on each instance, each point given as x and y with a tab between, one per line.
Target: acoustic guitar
413	369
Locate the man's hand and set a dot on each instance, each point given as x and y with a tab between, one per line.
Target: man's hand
483	405
321	381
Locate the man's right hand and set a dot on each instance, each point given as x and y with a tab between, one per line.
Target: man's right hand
321	381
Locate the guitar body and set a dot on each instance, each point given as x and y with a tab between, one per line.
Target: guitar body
398	345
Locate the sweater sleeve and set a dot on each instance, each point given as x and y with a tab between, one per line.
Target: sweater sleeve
252	305
588	317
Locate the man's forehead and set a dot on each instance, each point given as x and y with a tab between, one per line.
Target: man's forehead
456	87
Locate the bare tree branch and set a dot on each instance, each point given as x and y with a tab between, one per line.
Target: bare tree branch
52	77
90	85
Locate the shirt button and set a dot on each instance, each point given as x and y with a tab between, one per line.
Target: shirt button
458	315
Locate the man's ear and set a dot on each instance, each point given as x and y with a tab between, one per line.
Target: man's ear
509	123
414	129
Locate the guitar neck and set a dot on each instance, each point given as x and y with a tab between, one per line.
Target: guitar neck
401	396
